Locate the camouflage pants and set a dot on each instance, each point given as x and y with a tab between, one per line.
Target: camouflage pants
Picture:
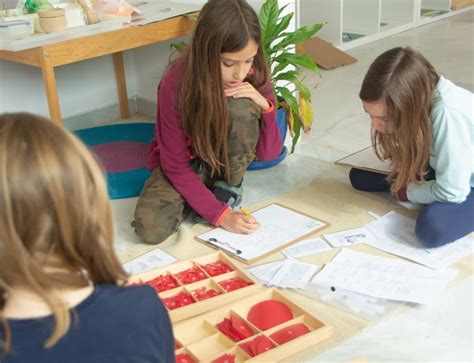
161	209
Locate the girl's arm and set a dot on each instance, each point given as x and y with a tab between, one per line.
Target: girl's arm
451	158
269	143
174	153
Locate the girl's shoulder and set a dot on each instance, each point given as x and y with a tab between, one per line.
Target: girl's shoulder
134	292
452	99
174	72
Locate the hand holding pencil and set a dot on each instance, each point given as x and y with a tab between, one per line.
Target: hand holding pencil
238	222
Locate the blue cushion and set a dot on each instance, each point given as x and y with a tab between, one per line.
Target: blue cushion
124	183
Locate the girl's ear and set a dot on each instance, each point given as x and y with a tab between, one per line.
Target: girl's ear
251	71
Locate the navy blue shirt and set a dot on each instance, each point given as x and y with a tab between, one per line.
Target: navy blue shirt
114	324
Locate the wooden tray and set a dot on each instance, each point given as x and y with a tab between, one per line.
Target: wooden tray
202	306
201	340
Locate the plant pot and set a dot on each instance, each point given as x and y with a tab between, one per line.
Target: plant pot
283	127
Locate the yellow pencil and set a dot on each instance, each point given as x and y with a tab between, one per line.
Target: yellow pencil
242	209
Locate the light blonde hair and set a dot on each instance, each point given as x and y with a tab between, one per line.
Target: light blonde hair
405	81
54	208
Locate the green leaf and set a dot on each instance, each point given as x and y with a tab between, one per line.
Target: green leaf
268	16
287	76
283	24
297	37
280	66
282	9
298	60
302	89
180	46
288	98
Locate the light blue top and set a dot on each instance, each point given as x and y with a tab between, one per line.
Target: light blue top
452	149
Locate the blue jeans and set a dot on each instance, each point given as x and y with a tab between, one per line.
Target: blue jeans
438	223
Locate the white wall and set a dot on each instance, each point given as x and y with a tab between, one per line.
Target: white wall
82	86
90	84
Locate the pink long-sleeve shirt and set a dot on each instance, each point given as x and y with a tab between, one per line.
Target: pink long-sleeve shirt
171	150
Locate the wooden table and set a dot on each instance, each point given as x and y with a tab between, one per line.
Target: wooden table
114	42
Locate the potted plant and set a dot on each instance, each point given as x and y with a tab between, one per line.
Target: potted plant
281	54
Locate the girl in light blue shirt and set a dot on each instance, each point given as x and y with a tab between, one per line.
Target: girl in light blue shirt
423	124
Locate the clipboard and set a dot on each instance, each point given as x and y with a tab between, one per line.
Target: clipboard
366	159
281	226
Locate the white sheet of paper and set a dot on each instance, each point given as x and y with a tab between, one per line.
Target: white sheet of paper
148	261
384	277
306	247
349	237
279	226
293	274
266	271
396	234
353	300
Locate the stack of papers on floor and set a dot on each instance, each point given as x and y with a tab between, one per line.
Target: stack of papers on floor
288	274
306	247
383	277
395	234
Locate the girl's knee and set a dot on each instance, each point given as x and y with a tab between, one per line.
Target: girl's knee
357	179
430	230
152	233
155	222
243	106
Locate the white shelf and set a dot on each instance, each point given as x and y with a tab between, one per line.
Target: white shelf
350	23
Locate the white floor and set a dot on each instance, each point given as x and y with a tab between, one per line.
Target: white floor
442	331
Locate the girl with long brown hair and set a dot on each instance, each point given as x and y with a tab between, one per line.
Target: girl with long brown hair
62	294
423	124
216	112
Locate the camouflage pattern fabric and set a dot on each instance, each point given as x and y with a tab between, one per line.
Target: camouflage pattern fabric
161	209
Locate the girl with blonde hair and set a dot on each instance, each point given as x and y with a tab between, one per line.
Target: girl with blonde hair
62	294
216	113
423	124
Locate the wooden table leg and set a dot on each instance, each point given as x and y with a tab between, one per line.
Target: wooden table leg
49	81
121	84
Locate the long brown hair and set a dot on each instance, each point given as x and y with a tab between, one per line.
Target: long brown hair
405	81
54	211
222	26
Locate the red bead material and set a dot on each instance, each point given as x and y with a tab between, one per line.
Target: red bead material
203	293
184	358
179	300
190	275
163	283
234	283
216	268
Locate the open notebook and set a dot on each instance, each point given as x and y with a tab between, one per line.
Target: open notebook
280	226
366	159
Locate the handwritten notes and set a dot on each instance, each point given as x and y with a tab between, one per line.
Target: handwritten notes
383	277
396	234
280	226
148	261
350	237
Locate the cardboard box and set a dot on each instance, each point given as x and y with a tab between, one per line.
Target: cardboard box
324	54
458	4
